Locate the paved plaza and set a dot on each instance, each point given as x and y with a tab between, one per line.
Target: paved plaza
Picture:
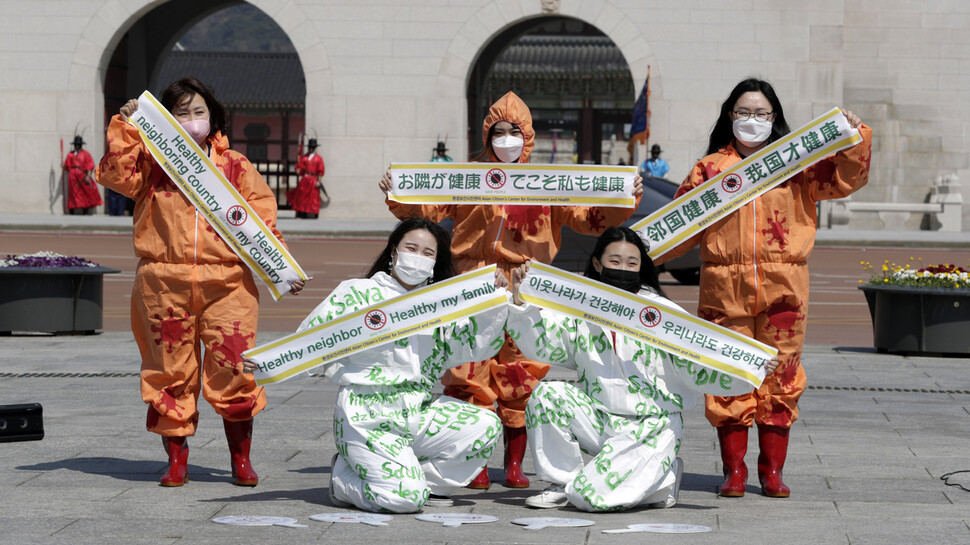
876	433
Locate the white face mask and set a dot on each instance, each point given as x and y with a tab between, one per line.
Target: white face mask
412	269
751	131
508	148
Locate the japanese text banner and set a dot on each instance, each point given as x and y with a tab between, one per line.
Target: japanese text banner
512	183
431	306
215	197
716	198
718	349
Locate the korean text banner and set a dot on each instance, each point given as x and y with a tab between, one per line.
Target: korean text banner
431	306
215	197
716	198
736	361
512	183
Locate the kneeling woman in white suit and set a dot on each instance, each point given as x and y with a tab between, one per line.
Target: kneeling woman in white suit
626	406
398	447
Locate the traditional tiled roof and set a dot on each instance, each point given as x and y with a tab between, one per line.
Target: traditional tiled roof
595	56
241	80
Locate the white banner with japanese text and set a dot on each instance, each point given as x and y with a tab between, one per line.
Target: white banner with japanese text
431	306
215	197
735	360
512	183
714	199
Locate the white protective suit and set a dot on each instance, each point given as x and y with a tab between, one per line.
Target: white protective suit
625	409
396	443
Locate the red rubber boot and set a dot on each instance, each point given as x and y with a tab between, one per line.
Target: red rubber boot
239	435
734	445
516	441
481	482
773	442
178	461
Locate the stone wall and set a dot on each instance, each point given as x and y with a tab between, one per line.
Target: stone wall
385	77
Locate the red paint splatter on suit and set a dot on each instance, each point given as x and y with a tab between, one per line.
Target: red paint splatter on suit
596	220
787	372
159	182
167	405
782	316
215	235
822	175
231	348
526	220
710	170
776	231
233	168
516	376
171	330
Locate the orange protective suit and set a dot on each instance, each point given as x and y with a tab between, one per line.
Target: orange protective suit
755	274
507	235
305	197
191	290
82	193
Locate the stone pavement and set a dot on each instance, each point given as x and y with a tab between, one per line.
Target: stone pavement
876	433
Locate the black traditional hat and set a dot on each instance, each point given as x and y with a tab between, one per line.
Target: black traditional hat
655	148
312	143
78	141
441	147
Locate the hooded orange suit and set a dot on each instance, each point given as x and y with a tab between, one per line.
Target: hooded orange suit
190	287
755	274
507	235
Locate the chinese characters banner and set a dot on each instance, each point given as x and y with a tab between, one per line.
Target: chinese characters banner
512	183
716	198
716	348
431	306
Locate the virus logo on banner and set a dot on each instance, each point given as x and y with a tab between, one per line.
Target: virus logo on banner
731	183
236	215
495	178
650	316
375	319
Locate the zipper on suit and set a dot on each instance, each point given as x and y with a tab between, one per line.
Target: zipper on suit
754	247
195	250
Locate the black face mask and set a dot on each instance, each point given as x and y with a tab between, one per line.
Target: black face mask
622	279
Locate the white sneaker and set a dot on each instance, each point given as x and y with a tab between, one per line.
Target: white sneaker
554	496
439	501
333	498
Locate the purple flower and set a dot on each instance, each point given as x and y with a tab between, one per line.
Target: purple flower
44	259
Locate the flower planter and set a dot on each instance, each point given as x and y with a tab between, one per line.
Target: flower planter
918	319
52	299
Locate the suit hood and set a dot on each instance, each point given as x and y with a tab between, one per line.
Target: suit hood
510	108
